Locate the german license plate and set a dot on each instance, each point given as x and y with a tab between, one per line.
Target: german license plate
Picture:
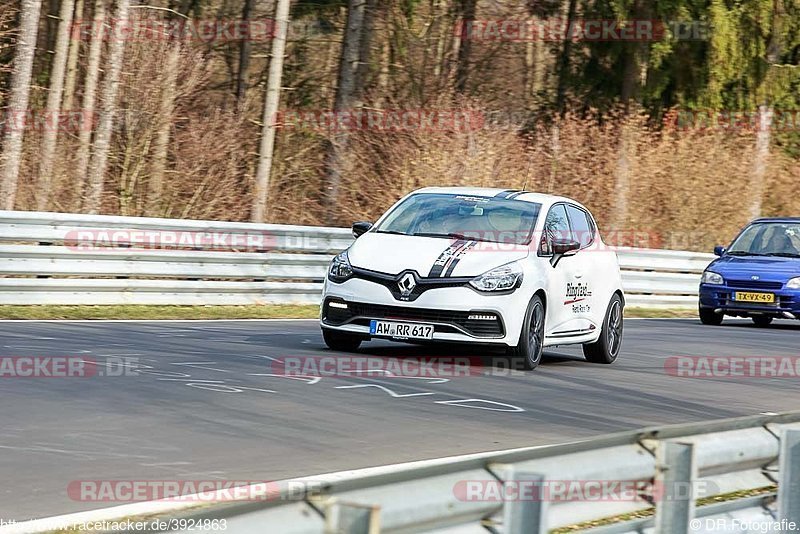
761	298
401	330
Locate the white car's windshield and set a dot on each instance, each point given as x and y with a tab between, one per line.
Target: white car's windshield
463	216
768	239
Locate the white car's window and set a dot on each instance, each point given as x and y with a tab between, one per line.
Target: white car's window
556	228
582	227
477	218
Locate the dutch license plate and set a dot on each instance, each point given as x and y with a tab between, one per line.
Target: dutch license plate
762	298
401	330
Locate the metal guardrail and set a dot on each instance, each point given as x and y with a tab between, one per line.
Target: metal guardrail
681	469
60	258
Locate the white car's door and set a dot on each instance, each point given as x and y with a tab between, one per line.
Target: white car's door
582	298
561	279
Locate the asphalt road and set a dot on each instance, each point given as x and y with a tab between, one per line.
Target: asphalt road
201	406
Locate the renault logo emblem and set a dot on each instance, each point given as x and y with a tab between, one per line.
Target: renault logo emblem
407	283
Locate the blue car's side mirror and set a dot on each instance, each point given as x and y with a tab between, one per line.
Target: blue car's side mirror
719	250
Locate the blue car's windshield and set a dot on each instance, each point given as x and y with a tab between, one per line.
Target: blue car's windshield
768	239
463	216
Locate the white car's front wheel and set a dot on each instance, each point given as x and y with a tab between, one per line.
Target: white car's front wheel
607	347
341	341
531	340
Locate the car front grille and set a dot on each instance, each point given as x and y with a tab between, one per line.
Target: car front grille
476	327
754	284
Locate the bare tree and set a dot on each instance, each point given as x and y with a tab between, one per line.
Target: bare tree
763	140
765	114
72	61
102	143
261	195
564	60
50	137
18	102
244	57
90	96
467	9
349	92
164	124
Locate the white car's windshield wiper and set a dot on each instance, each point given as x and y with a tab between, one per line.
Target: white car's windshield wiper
452	235
393	232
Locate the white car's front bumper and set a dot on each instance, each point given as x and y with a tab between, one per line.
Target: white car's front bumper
448	308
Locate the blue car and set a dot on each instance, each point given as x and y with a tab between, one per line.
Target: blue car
758	276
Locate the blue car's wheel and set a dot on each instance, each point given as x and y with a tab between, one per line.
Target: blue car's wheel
762	321
710	317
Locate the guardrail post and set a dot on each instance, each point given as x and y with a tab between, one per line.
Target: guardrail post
789	478
351	518
526	513
676	472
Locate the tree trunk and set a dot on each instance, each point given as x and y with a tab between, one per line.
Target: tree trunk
765	115
99	162
89	98
763	137
44	181
622	179
18	101
564	60
634	77
155	185
349	95
467	15
271	106
634	74
72	62
242	77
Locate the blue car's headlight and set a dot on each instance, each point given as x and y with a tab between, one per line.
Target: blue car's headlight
340	269
710	277
794	283
502	278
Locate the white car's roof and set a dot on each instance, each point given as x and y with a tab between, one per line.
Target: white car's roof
528	196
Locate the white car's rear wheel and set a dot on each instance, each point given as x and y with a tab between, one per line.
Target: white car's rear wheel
607	347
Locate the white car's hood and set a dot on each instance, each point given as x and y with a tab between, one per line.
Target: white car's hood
430	256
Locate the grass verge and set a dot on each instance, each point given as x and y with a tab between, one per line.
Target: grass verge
649	512
659	313
159	312
220	312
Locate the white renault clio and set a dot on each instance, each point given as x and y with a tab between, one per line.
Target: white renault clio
473	265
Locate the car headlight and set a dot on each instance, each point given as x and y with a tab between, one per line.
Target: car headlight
794	283
502	278
710	277
340	269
